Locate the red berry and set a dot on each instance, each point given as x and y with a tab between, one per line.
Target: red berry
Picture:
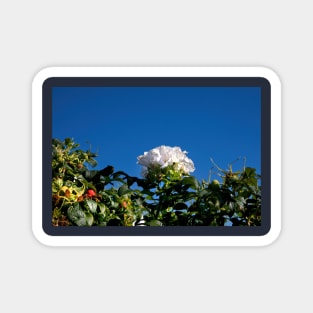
123	204
91	193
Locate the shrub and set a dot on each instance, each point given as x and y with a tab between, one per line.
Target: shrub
167	195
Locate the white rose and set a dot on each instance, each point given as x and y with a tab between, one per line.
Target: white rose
165	156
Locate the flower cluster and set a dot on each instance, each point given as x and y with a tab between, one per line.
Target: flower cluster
165	156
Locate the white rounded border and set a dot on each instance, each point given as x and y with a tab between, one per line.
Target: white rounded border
262	72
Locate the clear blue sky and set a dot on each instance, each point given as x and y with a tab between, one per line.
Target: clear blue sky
121	123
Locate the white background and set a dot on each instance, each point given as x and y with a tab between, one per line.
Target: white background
38	34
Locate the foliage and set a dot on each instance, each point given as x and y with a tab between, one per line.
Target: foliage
83	196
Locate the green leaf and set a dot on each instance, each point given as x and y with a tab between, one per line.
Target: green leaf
90	174
91	205
250	171
103	207
77	215
155	223
107	171
180	207
68	141
191	181
123	190
240	202
231	205
89	219
131	180
57	184
204	193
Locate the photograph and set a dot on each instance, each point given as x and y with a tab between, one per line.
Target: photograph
156	152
